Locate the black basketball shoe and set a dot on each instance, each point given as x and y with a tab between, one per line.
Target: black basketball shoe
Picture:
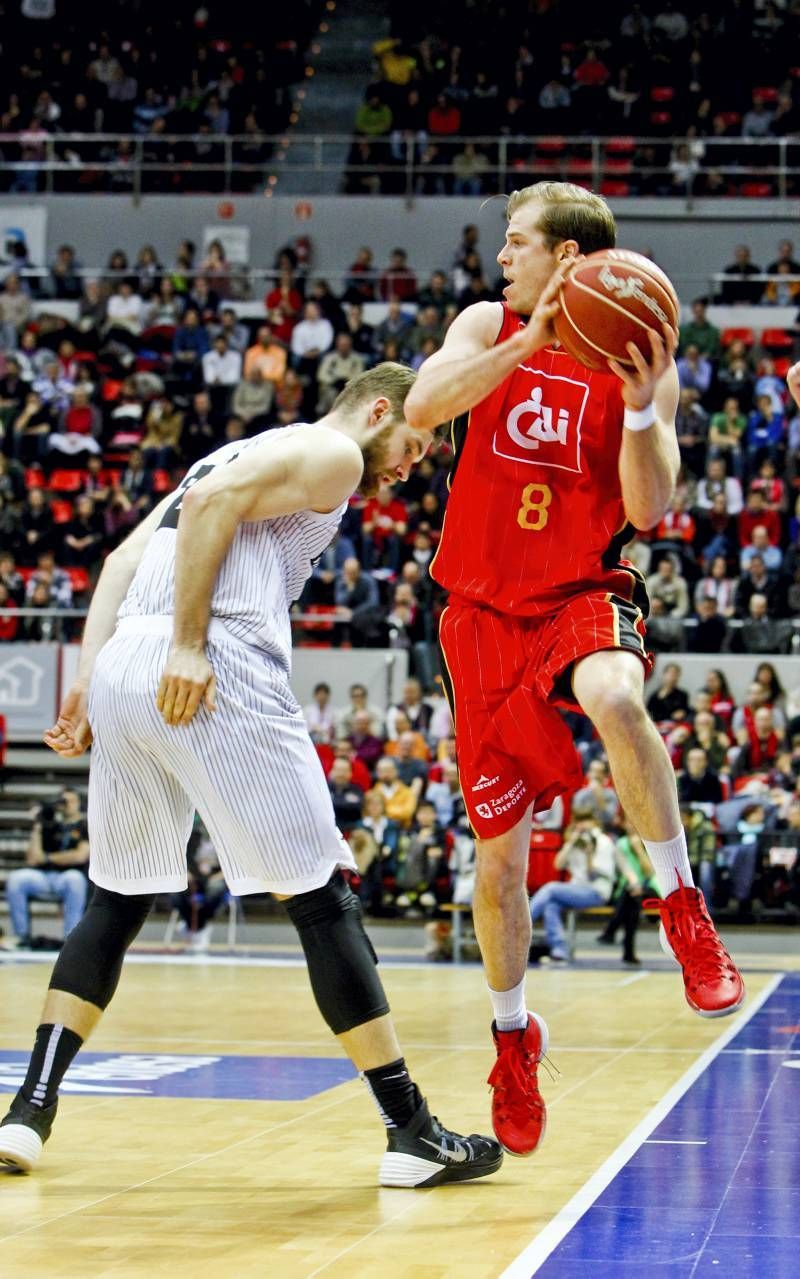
425	1154
23	1132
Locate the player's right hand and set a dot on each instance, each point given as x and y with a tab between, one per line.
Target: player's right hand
71	734
793	383
188	680
540	326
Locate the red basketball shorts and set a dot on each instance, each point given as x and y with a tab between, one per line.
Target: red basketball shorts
505	678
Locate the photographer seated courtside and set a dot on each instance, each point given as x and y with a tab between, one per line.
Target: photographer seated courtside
56	865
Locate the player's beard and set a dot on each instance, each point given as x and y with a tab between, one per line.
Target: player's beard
376	460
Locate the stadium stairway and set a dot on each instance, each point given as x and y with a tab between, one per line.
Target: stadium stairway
342	70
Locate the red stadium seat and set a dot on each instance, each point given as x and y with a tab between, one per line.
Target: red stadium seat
61	508
613	187
733	335
620	146
730	118
550	146
767	93
756	190
64	481
660	119
580	167
782	365
162	482
776	340
34	478
25	573
619	167
542	167
80	580
110	476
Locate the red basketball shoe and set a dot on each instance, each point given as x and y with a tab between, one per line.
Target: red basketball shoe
713	983
519	1117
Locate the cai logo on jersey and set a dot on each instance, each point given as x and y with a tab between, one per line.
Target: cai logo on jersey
545	428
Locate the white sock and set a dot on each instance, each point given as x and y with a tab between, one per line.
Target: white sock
510	1012
670	860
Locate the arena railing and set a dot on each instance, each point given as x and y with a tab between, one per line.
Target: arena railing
398	164
320	624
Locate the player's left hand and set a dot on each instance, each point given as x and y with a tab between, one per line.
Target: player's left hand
793	383
639	383
188	679
71	734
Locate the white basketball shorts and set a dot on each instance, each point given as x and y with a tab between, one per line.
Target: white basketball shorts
249	769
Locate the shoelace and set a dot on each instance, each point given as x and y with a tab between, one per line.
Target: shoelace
689	924
511	1068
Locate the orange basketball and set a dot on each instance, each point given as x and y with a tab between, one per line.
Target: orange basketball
609	299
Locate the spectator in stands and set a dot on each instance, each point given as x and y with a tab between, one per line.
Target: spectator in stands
413	707
396	324
53	388
15	311
588	855
761	633
358	608
698	783
359	285
691	424
760	743
359	702
125	315
765	434
365	745
236	332
718	586
137	482
31	430
598	795
710	633
635	879
398	280
336	368
361	333
384	524
76	438
374	118
222	370
57	581
43	628
319	714
267	355
677	525
738	288
92	314
716	481
711	739
669	701
759	545
83	537
376	861
743	722
695	370
400	800
756	581
36	523
161	440
411	754
720	697
767	676
8	632
283	305
311	338
725	434
13	388
755	514
56	865
347	797
289	398
445	795
699	332
669	586
782	291
10	578
189	345
254	397
771	485
470	167
200	428
756	122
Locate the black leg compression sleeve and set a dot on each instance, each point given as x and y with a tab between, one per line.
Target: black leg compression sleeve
91	958
341	961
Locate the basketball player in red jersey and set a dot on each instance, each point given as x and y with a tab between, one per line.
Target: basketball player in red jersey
553	465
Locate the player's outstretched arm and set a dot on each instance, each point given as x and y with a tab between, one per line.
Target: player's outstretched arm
315	469
469	366
71	734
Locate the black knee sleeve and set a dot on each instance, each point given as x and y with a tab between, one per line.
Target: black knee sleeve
91	958
341	961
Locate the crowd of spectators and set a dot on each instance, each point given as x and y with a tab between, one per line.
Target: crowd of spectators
107	69
654	70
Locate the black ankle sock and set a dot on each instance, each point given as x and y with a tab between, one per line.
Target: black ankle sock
52	1055
396	1095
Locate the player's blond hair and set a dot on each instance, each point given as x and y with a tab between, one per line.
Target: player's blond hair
569	212
389	379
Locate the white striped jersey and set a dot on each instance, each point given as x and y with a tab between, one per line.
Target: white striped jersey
262	574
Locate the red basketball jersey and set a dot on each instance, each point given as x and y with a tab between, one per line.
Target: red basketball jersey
535	511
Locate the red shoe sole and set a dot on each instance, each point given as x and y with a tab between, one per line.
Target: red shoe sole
717	1012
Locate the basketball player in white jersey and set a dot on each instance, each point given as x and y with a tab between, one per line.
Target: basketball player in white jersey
183	685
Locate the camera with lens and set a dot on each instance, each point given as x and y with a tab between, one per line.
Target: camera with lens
586	840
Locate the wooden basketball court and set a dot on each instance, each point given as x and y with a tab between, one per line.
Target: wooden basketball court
166	1159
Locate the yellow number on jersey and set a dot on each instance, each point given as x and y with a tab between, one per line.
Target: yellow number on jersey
533	515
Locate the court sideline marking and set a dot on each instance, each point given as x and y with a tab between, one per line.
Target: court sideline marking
528	1262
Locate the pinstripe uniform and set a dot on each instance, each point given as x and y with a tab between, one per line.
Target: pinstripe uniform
249	768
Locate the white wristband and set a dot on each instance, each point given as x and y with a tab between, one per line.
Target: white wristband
639	419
